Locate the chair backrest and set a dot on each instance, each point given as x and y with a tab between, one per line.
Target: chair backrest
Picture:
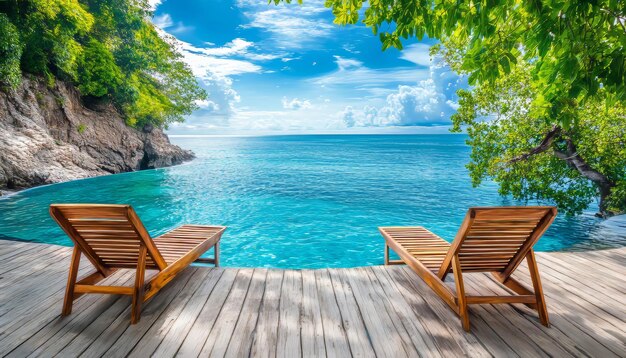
111	236
497	239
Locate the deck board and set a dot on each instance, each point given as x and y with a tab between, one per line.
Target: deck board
368	311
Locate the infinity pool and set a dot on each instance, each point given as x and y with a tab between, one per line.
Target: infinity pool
298	201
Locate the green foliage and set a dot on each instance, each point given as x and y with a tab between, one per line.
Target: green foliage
109	49
39	97
576	47
500	121
81	128
10	53
60	100
98	73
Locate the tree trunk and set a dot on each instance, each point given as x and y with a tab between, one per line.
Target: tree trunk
576	162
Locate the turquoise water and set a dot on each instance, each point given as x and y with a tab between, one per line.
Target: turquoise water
295	201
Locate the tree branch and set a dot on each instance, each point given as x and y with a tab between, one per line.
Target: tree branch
542	147
619	19
576	162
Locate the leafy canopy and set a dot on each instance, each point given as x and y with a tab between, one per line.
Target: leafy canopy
10	52
109	49
499	120
576	46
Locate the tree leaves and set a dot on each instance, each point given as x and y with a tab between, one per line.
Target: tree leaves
10	53
109	49
576	47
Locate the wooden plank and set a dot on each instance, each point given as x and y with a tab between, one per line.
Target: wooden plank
217	341
38	314
335	313
511	335
485	335
386	340
335	340
266	332
97	337
551	340
312	330
583	319
243	334
169	345
161	327
288	343
352	321
204	322
13	263
445	330
603	285
59	332
610	258
400	312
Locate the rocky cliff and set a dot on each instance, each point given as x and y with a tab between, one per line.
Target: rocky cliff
47	136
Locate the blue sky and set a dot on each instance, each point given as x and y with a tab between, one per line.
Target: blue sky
288	69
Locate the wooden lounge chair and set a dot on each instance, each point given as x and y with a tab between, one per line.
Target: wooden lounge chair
492	240
112	237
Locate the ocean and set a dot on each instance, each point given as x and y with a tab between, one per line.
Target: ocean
301	201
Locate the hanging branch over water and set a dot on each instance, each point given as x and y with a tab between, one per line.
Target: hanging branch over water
545	144
571	156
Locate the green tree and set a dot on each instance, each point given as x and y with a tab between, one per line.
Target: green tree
10	53
572	55
98	74
108	49
534	159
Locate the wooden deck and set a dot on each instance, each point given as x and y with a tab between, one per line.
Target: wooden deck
370	311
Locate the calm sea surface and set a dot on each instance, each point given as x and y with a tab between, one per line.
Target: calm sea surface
298	201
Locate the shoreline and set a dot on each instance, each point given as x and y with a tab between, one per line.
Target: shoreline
7	193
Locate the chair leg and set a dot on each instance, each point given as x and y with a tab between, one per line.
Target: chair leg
216	250
460	293
68	301
138	293
386	254
534	275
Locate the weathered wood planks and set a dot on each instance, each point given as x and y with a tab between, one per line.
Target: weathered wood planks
328	312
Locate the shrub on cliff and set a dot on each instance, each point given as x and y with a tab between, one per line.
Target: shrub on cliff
108	49
10	53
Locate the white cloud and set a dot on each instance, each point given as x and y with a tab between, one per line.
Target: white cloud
418	54
296	104
153	4
423	104
237	46
165	22
352	73
346	64
453	105
203	60
262	56
291	26
351	48
213	67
